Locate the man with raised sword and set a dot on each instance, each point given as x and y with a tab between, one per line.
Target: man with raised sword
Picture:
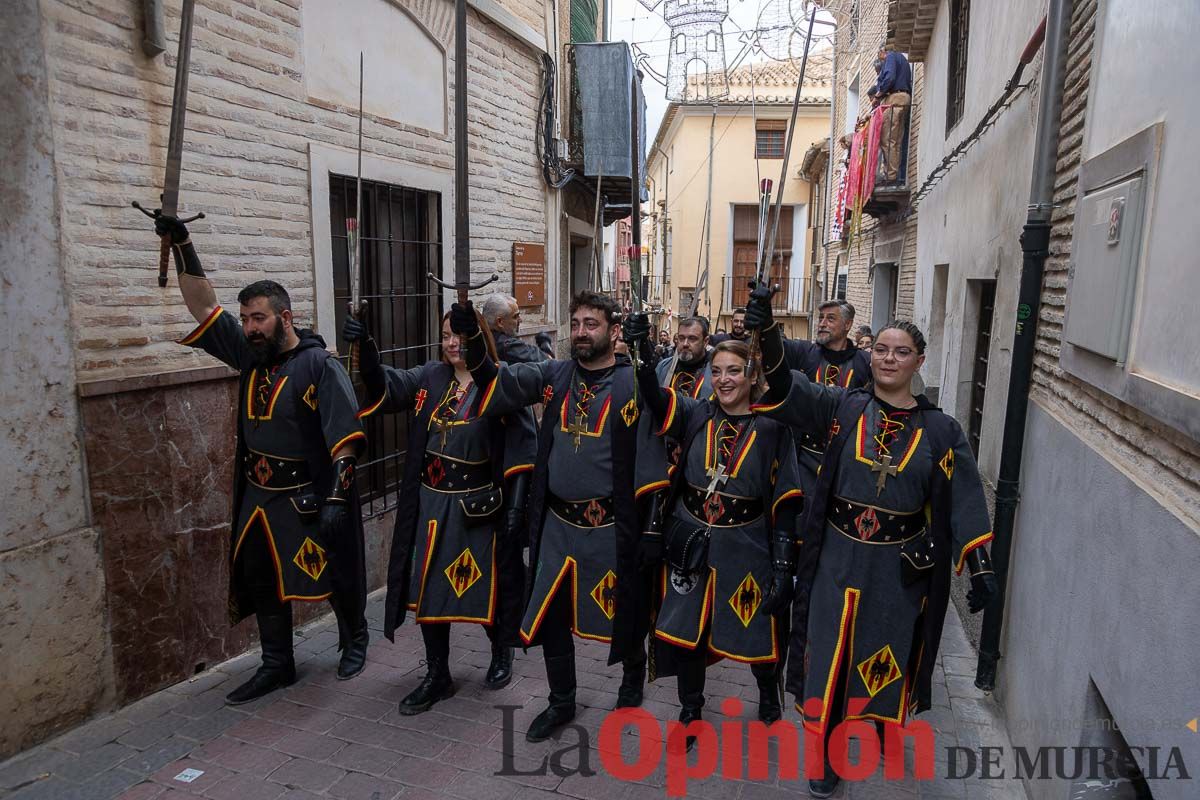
595	459
297	529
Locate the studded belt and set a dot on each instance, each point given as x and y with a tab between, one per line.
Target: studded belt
721	510
874	525
594	513
445	474
275	473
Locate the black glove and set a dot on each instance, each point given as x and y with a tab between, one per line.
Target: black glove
983	580
544	343
335	513
634	328
354	331
983	589
650	545
783	565
369	363
514	508
463	320
171	226
635	331
649	551
758	307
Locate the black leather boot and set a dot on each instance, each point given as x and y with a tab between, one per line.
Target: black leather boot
436	685
357	636
499	673
560	674
826	786
690	685
278	666
633	681
770	708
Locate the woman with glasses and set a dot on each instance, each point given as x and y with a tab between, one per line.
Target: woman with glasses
456	548
898	503
729	530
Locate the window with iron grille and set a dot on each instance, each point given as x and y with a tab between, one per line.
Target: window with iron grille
769	138
956	78
401	242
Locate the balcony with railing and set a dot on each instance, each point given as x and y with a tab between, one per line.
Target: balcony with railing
792	300
876	181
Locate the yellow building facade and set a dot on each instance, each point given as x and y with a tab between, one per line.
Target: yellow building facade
748	131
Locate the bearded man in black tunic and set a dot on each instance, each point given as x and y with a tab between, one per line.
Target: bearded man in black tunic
596	458
297	529
831	360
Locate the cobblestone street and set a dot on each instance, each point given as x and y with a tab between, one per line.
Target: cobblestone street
329	738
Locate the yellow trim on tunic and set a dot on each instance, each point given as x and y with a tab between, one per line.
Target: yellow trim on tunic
261	515
356	435
978	541
202	328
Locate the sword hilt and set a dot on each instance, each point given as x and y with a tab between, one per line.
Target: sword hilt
164	250
462	290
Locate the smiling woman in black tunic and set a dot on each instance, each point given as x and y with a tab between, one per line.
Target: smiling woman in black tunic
734	495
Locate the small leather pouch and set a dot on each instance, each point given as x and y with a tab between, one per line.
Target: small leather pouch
686	546
308	507
483	505
916	558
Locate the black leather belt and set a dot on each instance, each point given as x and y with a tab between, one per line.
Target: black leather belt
721	510
450	475
274	472
874	525
594	513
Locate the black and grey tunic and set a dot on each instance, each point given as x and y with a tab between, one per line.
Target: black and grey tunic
596	456
739	473
900	501
447	562
293	415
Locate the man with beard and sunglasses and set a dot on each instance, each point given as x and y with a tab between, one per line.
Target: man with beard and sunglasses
596	458
297	528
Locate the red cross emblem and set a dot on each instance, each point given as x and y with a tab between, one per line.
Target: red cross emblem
867	524
420	400
594	514
435	471
713	508
547	394
834	429
262	470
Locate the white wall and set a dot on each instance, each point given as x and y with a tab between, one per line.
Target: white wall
972	219
404	65
1135	84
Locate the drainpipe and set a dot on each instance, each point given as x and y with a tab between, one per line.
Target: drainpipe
1035	246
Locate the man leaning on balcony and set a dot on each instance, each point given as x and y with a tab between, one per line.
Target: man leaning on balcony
893	89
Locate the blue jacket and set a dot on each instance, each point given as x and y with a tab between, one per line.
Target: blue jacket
896	75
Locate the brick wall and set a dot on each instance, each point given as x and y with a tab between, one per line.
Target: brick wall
1140	445
859	56
246	162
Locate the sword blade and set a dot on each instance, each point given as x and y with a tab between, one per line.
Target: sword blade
462	200
353	240
183	63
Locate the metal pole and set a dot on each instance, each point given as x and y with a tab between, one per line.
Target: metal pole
1035	245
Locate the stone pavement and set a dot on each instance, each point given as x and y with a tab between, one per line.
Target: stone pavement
345	739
